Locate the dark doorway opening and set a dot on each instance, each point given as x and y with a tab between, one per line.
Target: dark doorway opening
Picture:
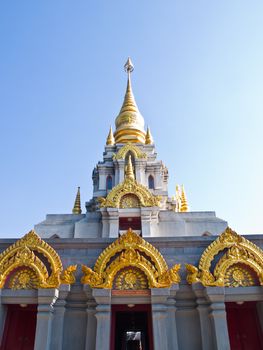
131	328
130	222
243	326
20	327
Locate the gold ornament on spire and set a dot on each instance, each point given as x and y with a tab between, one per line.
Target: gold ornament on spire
77	205
148	138
184	203
129	174
129	123
110	139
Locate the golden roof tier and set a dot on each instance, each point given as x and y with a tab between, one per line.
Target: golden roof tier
129	123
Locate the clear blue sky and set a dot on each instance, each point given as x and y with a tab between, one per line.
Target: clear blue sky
197	81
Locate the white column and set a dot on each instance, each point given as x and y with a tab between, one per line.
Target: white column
171	319
146	221
102	181
58	318
46	299
121	163
140	171
105	222
103	315
91	327
203	308
159	298
216	296
91	319
113	217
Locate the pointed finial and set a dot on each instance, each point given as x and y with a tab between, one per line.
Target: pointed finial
129	174
77	205
110	139
148	137
184	203
128	67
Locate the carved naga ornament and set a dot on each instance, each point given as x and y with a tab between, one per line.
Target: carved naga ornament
31	263
130	263
238	262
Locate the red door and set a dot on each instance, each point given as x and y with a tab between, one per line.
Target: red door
243	326
132	222
20	328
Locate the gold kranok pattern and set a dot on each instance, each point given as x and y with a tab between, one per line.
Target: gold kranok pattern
240	262
129	187
32	263
137	153
131	252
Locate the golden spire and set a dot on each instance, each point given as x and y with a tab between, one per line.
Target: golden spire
148	138
129	123
184	203
77	205
129	174
110	139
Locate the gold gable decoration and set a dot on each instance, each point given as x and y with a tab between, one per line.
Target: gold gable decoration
123	194
137	153
241	263
31	263
126	261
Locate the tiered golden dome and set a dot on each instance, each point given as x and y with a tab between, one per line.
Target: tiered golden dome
129	123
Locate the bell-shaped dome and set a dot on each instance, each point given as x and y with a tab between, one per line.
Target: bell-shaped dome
129	123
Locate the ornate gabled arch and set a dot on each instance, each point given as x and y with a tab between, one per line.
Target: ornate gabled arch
137	153
130	256
240	263
32	263
129	188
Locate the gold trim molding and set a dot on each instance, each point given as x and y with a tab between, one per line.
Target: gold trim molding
241	259
137	153
31	263
133	252
129	186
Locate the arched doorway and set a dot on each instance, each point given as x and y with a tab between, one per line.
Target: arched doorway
131	327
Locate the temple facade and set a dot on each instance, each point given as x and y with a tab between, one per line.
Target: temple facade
137	270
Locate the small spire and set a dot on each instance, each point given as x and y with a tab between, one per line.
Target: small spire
184	203
178	198
77	205
148	137
110	139
129	170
